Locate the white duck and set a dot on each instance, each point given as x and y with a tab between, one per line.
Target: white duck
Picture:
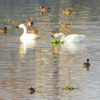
25	35
69	38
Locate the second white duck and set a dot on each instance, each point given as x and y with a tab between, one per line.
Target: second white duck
69	38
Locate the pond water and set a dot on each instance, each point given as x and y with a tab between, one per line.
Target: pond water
49	67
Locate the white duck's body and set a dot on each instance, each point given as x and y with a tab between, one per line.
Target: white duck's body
69	38
28	36
25	35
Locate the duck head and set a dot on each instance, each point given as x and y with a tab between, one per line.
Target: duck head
87	60
20	26
56	35
41	6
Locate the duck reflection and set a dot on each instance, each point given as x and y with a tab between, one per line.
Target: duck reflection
25	44
73	47
55	48
55	70
87	67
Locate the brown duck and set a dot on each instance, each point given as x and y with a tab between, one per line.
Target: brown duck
65	25
33	31
43	9
67	12
4	30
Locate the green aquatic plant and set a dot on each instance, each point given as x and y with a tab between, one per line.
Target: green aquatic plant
38	49
68	88
55	41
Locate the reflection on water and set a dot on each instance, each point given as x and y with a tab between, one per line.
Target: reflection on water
26	44
55	48
45	67
73	47
87	67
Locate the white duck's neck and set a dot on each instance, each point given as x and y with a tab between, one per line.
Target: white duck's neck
24	30
62	37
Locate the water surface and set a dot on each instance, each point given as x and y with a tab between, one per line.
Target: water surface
42	65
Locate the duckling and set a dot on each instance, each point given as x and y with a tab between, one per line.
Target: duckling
35	31
29	23
86	64
3	30
31	90
65	25
43	9
67	12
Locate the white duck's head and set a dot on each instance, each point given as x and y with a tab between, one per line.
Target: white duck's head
56	35
20	26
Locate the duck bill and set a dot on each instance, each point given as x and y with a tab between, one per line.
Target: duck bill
17	26
52	36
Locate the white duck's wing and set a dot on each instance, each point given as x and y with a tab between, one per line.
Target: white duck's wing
74	38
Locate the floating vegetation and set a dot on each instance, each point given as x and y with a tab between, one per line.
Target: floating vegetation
12	21
73	12
55	41
54	16
69	88
9	27
31	17
38	49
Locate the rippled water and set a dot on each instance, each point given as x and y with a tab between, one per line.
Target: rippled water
44	66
